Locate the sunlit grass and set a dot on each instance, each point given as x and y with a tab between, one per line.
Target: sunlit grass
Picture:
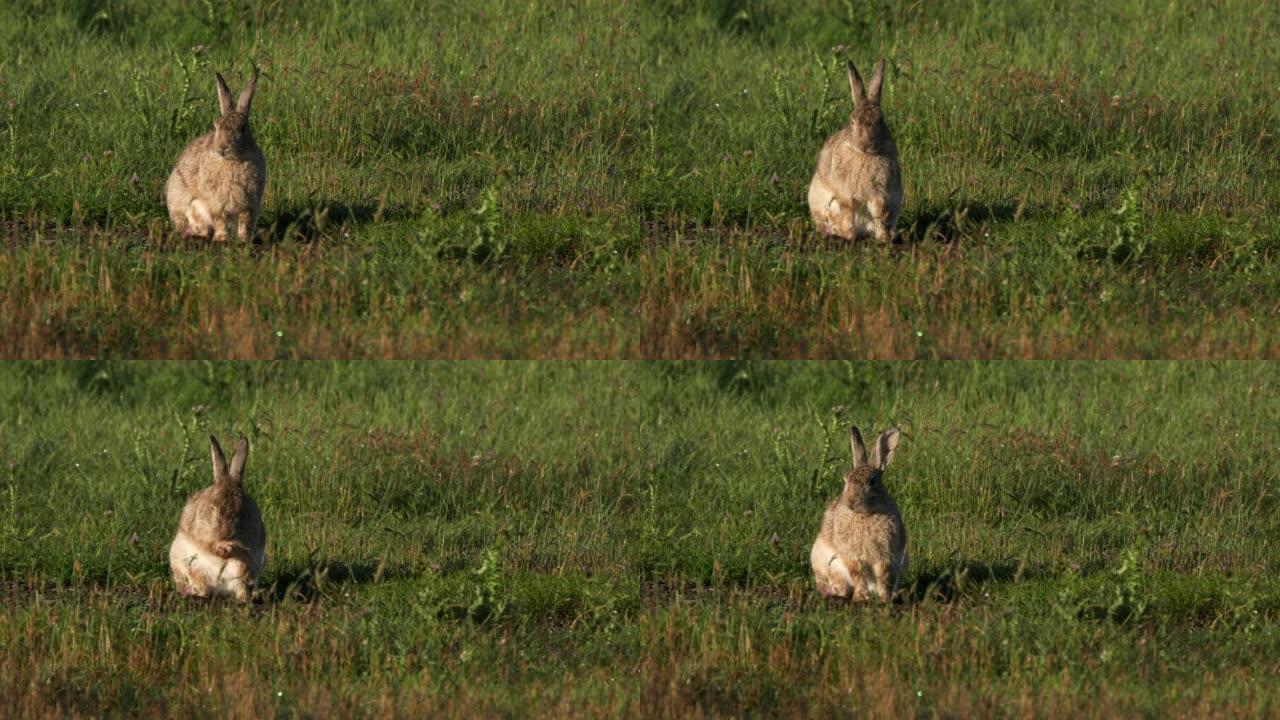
493	179
605	539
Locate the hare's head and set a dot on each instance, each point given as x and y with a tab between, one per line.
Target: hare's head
231	135
869	129
863	484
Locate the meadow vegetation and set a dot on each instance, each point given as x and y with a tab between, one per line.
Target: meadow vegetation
604	179
632	540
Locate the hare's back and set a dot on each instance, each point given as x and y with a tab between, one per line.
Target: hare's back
869	536
186	171
195	150
249	525
829	155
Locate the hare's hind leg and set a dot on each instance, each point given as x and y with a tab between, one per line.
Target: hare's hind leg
182	580
181	221
178	201
856	572
242	588
842	219
829	570
883	581
219	222
236	580
826	210
881	220
189	576
184	564
199	219
246	223
819	559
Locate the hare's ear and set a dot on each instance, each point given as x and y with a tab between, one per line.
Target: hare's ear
873	87
246	95
219	460
224	95
859	449
237	460
855	85
885	445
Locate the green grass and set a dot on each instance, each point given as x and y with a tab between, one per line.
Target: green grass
631	539
606	180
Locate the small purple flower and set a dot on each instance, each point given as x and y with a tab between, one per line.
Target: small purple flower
134	539
747	153
134	180
1075	206
108	152
774	539
775	179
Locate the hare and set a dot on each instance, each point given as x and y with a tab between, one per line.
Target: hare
220	176
221	542
857	189
861	550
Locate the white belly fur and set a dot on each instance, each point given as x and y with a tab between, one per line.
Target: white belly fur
204	569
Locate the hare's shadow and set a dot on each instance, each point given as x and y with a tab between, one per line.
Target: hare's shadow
948	584
310	582
310	222
950	223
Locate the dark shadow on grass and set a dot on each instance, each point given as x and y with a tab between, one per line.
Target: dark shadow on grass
950	584
314	222
310	583
954	223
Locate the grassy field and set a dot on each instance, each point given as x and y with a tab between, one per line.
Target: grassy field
631	539
626	180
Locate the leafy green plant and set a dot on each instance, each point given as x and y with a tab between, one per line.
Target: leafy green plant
488	600
1121	596
476	235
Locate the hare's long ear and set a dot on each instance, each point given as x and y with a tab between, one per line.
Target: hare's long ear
859	449
855	85
224	95
237	460
246	96
219	460
873	87
885	445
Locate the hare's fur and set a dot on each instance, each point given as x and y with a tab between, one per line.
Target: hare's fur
221	542
861	548
857	188
220	177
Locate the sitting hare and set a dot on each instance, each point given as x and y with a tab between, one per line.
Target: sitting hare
220	176
221	542
861	550
857	188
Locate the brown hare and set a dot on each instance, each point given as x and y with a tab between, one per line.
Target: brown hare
857	189
220	176
861	550
221	543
